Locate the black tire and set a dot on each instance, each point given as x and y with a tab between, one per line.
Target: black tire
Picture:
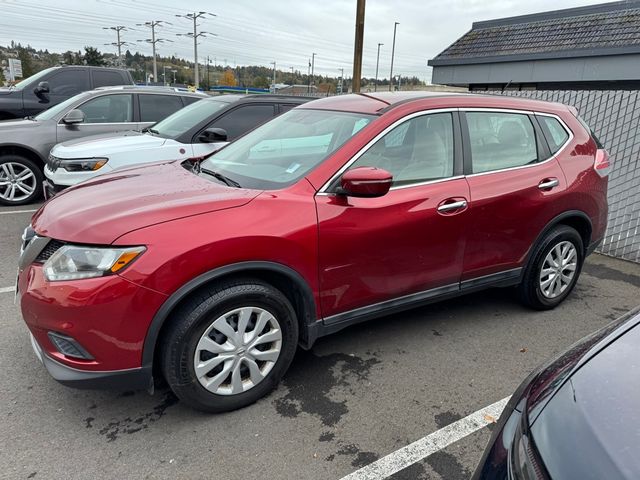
190	321
529	290
27	164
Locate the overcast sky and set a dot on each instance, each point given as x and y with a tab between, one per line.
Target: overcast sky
259	32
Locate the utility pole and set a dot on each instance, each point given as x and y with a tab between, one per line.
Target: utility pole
274	76
309	77
313	64
153	40
195	34
119	43
393	51
341	79
357	49
293	79
375	87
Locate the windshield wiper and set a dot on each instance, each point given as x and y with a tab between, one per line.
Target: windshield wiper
219	176
29	117
152	131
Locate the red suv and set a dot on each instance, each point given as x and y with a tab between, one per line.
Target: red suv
211	272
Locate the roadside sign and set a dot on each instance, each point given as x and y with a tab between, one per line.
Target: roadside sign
15	68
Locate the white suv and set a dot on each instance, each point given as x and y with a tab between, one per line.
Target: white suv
195	131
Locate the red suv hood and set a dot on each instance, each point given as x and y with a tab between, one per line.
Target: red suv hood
101	210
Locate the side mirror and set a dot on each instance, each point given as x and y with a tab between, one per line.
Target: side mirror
365	182
213	135
74	117
43	87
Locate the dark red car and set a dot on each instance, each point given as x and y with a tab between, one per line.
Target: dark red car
211	272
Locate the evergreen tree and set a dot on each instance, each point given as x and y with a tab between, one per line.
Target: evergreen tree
93	57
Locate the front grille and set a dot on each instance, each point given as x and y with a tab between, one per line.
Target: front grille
52	247
53	163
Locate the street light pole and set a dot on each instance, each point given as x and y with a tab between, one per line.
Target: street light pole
274	76
393	51
194	17
375	87
313	63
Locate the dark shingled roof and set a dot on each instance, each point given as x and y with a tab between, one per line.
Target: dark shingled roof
605	29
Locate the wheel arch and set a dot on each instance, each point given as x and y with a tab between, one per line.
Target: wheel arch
576	219
18	149
284	278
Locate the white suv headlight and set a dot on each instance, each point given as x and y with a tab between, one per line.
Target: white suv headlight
74	262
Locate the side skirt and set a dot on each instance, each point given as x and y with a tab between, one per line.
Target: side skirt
339	321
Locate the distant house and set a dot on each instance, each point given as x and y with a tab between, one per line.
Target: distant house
588	48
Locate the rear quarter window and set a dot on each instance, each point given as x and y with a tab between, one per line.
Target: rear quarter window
555	133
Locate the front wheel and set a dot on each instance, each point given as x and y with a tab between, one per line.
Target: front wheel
227	347
553	270
20	180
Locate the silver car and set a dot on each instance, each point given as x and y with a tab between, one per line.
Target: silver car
25	144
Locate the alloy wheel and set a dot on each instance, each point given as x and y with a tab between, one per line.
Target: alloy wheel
237	351
558	269
17	182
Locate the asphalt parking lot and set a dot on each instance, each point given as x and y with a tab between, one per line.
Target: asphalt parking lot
354	398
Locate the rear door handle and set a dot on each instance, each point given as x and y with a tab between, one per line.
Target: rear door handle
448	207
548	183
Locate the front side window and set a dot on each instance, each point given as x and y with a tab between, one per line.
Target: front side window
187	118
108	109
418	150
501	140
154	108
69	82
285	149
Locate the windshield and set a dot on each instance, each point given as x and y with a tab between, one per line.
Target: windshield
283	150
183	120
33	79
52	112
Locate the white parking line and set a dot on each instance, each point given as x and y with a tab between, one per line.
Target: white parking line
432	443
7	290
18	211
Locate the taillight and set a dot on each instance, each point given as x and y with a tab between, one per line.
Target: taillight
602	165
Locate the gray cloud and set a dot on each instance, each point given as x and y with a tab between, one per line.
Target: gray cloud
258	32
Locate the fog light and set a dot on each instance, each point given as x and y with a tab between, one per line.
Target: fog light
68	346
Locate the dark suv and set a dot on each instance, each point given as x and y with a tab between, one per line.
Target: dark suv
54	85
211	271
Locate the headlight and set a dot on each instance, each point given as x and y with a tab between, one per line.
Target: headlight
73	263
83	164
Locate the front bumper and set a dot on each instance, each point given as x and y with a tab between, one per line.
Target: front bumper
130	379
51	189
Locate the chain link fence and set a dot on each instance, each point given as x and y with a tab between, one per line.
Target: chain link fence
614	116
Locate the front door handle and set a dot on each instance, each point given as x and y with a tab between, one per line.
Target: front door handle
548	183
448	207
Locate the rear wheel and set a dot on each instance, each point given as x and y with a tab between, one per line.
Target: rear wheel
20	180
554	268
229	346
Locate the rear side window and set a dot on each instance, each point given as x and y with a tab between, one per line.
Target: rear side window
242	119
190	100
501	140
107	78
556	134
154	108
